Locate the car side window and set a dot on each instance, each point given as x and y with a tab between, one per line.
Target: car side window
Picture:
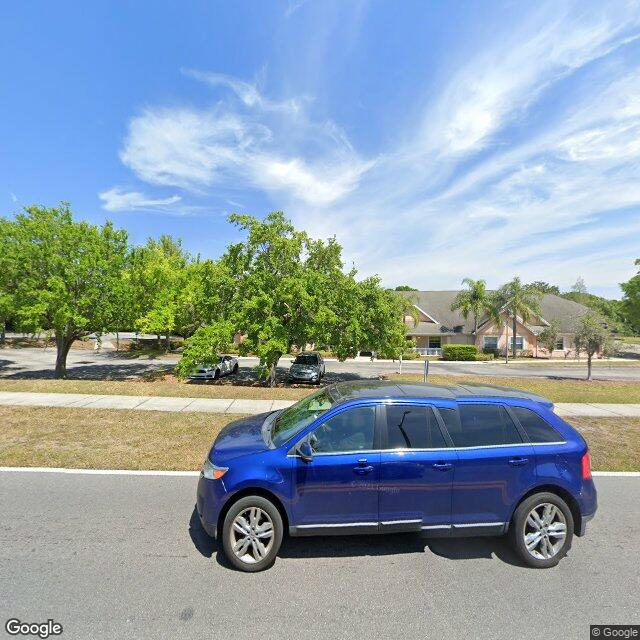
350	430
537	428
484	425
413	427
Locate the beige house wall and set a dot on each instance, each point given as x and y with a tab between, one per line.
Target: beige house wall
504	335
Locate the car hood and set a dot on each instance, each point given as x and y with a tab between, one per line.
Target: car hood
239	438
305	367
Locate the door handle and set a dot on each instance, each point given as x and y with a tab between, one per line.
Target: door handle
518	462
442	466
363	467
363	470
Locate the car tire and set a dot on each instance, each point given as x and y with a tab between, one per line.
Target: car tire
256	550
541	530
216	374
235	368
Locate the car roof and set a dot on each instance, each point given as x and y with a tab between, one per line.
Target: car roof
351	390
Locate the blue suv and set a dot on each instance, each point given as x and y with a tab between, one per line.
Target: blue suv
378	457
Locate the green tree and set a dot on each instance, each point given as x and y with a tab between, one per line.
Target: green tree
631	301
545	287
68	274
474	300
591	337
282	289
205	347
157	276
520	301
548	337
405	287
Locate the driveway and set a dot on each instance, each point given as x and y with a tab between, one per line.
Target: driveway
120	556
39	363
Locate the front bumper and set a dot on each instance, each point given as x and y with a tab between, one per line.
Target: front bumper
209	501
304	377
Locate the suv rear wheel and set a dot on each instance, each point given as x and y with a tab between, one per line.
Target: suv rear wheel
252	533
542	530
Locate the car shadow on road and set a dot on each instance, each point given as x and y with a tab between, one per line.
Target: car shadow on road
489	548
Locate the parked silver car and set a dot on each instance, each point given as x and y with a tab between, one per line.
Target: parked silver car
307	367
225	366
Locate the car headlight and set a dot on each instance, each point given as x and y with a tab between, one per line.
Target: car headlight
211	471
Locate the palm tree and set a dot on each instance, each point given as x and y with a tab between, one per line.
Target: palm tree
519	300
475	300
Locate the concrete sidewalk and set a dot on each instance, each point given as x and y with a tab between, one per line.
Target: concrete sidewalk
143	403
227	405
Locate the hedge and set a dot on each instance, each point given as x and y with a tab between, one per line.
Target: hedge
459	352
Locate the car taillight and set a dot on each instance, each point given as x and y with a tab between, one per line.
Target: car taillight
586	466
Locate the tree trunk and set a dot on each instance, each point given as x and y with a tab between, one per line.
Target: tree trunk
168	342
589	356
159	340
63	344
117	341
515	328
272	375
2	333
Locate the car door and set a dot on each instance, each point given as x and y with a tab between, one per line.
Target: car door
494	466
416	470
337	490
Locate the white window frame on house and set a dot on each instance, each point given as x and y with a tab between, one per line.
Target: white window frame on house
437	342
486	346
560	341
519	342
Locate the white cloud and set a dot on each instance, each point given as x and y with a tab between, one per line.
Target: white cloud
116	199
14	197
198	148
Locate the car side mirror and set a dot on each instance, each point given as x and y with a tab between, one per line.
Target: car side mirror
305	451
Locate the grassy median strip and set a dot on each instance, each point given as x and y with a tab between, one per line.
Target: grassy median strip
108	439
562	390
169	386
557	390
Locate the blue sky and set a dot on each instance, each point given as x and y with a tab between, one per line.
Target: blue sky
436	140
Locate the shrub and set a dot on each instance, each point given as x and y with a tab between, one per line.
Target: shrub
459	352
485	356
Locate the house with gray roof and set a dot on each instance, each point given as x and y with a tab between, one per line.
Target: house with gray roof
438	325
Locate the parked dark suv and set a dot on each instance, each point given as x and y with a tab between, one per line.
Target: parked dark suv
307	367
378	457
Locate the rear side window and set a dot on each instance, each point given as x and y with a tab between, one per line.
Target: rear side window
484	425
538	429
411	427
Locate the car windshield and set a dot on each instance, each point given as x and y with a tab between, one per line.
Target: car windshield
300	415
306	359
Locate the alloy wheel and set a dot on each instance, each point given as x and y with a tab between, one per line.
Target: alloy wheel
252	535
545	531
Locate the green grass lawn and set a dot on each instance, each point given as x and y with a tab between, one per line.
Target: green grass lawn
110	439
563	390
168	386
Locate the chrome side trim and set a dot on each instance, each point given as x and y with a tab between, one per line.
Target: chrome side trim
479	524
437	526
400	521
483	446
337	524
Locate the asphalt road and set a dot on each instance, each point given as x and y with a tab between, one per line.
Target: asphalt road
39	363
120	557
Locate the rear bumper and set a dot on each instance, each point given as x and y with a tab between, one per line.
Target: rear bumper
583	524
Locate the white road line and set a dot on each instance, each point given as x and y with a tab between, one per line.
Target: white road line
145	472
101	472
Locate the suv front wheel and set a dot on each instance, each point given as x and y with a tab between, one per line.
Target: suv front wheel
542	530
252	533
